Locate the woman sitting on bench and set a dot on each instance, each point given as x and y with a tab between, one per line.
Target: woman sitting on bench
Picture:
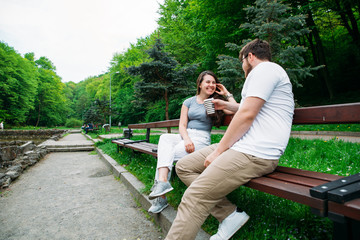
194	128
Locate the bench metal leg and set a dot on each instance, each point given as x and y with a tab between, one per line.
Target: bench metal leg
148	135
355	226
344	227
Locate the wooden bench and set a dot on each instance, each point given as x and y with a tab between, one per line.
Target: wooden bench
96	128
293	184
144	146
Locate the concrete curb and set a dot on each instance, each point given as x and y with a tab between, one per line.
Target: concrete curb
166	217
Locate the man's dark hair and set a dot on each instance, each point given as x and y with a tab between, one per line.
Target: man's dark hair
260	48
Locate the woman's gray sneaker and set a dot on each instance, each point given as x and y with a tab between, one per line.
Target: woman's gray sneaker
160	189
153	186
158	205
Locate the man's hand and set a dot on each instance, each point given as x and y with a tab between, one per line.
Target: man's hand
219	104
189	146
210	158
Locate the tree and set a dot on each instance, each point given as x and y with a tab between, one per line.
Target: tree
162	76
51	105
271	20
18	85
231	71
177	31
97	113
195	31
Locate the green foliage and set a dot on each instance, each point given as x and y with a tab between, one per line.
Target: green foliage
196	32
272	21
97	113
73	122
155	112
177	31
161	77
232	74
18	85
50	101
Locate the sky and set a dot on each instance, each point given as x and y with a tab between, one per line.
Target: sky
80	37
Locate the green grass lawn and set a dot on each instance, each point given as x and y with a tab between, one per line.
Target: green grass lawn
270	217
327	127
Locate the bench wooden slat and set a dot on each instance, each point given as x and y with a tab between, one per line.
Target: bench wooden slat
121	141
305	181
339	113
350	209
147	150
143	147
147	147
310	174
160	124
291	191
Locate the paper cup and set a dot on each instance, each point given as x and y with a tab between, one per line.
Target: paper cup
209	106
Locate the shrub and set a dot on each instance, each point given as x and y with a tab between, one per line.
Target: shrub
73	122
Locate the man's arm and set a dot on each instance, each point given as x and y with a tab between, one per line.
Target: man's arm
239	125
232	106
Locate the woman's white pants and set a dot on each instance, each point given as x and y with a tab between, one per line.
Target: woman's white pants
171	148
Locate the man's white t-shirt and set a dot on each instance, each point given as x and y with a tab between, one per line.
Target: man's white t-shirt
269	134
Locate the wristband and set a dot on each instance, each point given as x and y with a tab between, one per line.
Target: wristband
229	95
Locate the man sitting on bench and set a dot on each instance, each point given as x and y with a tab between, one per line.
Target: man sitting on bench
89	126
254	141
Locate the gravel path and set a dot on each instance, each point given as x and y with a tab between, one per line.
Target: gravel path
71	196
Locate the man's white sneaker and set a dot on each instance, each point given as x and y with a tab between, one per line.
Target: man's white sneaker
230	225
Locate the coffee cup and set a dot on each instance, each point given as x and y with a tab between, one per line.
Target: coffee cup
209	106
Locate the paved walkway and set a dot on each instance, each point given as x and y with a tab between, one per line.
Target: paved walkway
72	195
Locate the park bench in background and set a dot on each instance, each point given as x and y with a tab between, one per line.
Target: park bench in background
305	187
96	128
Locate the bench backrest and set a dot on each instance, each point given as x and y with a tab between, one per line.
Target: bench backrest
338	113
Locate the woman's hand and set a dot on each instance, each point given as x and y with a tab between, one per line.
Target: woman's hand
222	89
189	146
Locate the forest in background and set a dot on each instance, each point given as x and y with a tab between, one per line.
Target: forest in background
317	42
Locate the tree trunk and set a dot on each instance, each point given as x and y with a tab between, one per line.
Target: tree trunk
320	54
355	29
167	108
347	15
38	118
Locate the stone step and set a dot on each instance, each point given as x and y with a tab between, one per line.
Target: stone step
71	149
69	145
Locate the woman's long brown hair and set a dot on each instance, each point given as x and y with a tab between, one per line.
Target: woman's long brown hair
217	118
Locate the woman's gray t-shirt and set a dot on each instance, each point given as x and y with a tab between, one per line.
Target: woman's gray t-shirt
197	118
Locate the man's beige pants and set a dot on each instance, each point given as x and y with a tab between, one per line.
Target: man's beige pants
209	186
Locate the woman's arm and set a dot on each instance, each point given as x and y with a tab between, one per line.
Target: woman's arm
189	145
224	92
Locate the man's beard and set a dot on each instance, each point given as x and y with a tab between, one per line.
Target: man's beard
248	70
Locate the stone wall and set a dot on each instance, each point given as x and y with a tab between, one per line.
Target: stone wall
16	156
30	134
